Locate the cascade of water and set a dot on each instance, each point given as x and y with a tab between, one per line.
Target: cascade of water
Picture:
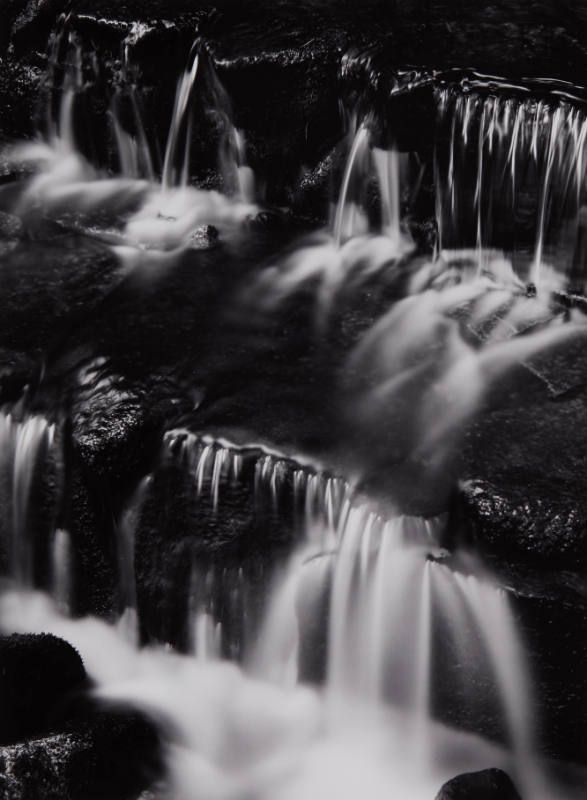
381	570
421	349
219	611
238	177
277	481
134	151
179	124
553	153
24	445
65	57
158	217
224	602
352	255
349	218
387	165
509	174
125	539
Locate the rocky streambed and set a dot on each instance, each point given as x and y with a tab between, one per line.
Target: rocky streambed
180	398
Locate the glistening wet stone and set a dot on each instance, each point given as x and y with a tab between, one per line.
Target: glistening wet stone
104	753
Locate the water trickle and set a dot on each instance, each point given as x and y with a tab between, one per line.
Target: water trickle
125	540
24	452
277	481
132	144
180	127
162	216
400	635
64	82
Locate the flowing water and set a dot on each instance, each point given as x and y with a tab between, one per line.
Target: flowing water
413	645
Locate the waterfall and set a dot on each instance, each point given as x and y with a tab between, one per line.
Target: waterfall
24	452
388	597
349	219
165	216
180	124
226	601
398	619
510	173
62	569
133	147
125	540
277	481
363	162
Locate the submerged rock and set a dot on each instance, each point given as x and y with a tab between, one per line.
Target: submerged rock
488	784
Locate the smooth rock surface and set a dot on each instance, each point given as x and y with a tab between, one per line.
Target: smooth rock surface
489	784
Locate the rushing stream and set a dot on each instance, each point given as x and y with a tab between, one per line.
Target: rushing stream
367	657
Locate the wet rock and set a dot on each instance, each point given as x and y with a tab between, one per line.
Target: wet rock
192	539
89	519
114	435
37	673
105	753
19	87
522	478
508	518
109	416
295	51
48	286
11	227
206	236
489	784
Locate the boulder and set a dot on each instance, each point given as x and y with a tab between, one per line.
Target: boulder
488	784
37	674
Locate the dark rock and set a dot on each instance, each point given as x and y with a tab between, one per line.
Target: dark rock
206	236
89	519
37	673
489	784
295	51
11	227
16	371
19	87
118	754
49	285
105	753
522	481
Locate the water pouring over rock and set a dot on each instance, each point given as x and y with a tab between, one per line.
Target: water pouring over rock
249	466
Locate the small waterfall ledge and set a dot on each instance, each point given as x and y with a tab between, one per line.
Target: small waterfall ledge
291	397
